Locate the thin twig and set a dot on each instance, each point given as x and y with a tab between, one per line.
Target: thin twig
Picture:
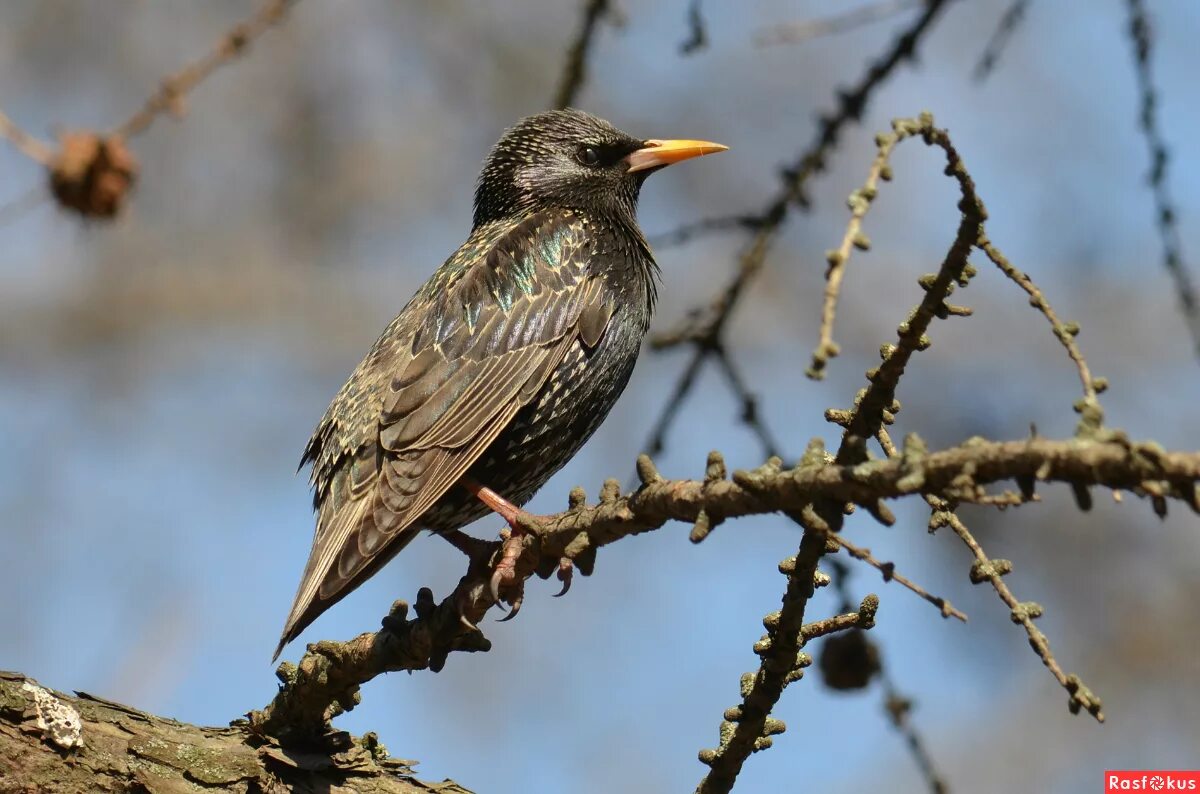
822	517
860	202
1009	22
899	711
888	569
689	231
750	415
798	32
575	70
33	148
173	89
1185	287
1023	612
1065	332
697	31
893	700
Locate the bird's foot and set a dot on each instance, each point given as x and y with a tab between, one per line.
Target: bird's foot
504	572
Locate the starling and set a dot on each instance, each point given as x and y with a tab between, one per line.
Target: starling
502	364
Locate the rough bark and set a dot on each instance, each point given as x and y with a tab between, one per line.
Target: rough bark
54	743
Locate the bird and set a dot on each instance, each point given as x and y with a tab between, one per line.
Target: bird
502	365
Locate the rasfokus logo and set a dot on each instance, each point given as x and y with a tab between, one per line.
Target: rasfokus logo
1151	780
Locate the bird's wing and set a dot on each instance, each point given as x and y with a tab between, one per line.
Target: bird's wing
486	335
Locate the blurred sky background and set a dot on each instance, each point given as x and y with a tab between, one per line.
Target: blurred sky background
159	377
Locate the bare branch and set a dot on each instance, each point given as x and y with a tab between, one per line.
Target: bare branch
704	226
697	31
899	710
575	70
999	39
703	328
173	89
1023	612
1185	287
888	569
30	146
799	32
330	673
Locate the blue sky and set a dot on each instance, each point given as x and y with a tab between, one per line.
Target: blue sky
158	379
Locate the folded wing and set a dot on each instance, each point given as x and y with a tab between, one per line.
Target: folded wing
486	332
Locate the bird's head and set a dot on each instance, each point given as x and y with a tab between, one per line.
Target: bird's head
568	158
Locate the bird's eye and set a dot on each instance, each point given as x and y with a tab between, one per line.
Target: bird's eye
588	155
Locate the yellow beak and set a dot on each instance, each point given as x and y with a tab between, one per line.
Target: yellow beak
659	153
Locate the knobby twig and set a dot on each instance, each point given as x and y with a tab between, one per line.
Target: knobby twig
329	674
860	201
575	70
703	329
822	517
1185	287
971	235
874	407
798	32
1009	22
1023	612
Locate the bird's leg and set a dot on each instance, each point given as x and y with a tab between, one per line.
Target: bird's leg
505	569
495	502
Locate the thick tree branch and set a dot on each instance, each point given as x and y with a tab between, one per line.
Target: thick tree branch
51	742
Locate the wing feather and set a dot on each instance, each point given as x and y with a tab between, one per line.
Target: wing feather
482	338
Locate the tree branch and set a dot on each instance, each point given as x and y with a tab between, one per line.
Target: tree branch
53	742
575	70
328	676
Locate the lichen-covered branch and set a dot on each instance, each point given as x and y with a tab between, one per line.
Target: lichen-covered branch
55	743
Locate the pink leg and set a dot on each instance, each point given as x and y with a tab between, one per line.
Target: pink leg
505	569
497	503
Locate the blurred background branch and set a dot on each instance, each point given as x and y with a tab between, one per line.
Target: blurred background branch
1142	35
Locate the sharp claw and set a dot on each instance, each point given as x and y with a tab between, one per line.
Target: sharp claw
516	607
565	574
497	578
467	623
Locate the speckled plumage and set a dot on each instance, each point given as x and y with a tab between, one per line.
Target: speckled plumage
499	368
